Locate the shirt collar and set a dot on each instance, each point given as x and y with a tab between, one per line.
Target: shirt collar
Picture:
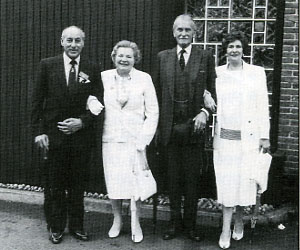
187	49
67	59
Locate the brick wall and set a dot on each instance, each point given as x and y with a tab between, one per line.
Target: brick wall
288	136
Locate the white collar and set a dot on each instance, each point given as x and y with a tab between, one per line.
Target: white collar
117	76
187	49
67	59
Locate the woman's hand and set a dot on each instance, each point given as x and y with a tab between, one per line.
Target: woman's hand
264	144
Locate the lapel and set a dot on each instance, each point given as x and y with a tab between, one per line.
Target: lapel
82	65
170	70
193	66
61	73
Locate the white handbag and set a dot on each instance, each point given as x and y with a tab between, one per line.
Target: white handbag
261	172
145	184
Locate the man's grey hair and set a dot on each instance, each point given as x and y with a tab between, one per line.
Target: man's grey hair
186	17
63	34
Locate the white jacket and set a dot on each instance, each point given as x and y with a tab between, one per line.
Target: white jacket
255	109
137	121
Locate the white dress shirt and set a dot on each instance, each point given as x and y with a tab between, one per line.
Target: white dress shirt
68	66
187	53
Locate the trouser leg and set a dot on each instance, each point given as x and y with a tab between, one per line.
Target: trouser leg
174	182
54	194
77	178
192	168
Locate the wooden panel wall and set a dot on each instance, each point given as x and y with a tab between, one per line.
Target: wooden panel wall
31	29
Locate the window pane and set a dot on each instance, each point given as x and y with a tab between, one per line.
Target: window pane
242	8
218	13
259	13
199	38
258	38
272	9
263	56
224	2
215	31
270	32
212	2
260	2
259	27
196	7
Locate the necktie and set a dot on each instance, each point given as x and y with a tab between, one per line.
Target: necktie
181	60
72	73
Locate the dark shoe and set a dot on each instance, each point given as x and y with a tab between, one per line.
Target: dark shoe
80	235
56	238
192	235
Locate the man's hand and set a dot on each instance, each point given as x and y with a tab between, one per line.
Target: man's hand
70	125
209	102
199	121
42	141
264	144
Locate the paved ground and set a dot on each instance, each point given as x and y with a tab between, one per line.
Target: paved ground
23	228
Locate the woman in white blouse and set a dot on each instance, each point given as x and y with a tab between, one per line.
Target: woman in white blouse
130	121
242	129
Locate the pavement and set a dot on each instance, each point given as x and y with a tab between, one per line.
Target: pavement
23	227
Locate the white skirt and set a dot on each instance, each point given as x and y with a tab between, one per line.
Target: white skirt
233	170
118	162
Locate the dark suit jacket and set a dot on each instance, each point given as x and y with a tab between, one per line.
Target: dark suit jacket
53	101
201	76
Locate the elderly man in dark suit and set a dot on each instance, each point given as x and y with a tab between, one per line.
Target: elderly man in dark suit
63	129
185	75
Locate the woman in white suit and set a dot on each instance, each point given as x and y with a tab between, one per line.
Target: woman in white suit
130	121
242	129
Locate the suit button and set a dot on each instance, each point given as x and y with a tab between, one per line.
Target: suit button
249	121
251	134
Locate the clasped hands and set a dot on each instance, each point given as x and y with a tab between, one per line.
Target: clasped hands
70	125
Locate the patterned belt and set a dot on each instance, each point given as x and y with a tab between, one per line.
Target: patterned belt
230	134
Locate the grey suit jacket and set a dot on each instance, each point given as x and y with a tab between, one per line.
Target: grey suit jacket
201	76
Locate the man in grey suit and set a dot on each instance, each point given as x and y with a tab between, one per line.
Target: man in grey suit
63	129
183	75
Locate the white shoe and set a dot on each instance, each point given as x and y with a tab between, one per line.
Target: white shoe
115	230
137	236
237	236
224	244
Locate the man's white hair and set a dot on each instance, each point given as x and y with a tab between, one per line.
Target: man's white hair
63	34
186	17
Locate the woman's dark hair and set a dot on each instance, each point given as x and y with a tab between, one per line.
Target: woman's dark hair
233	36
